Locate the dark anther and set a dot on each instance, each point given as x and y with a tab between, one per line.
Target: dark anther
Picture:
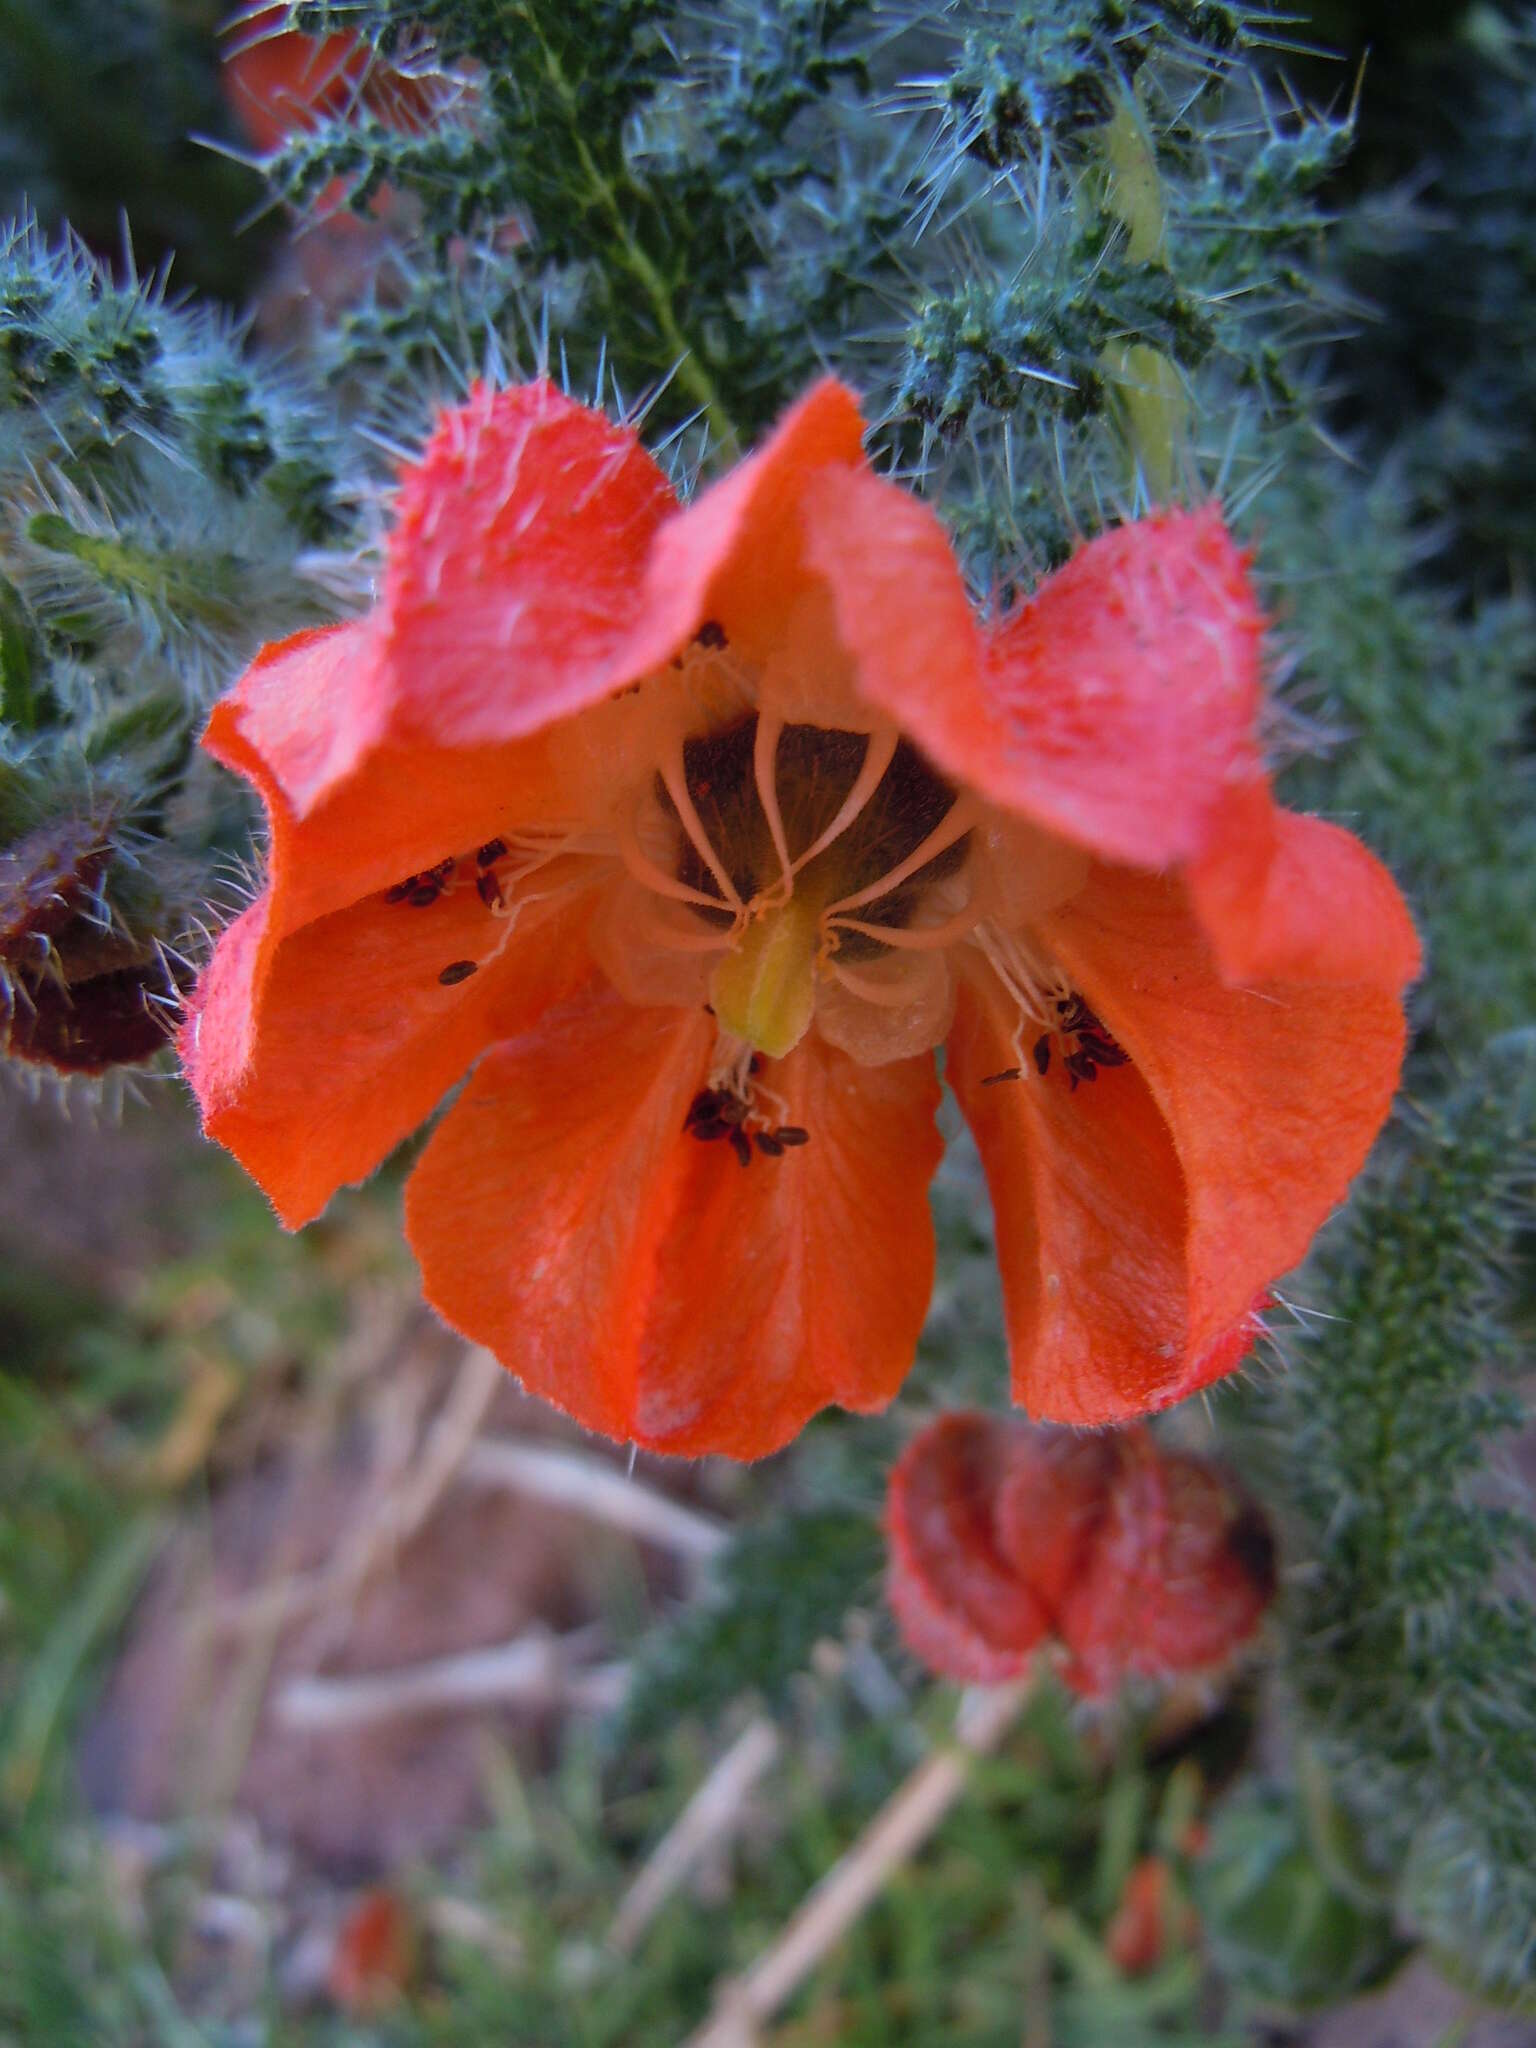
1042	1054
424	888
792	1134
1103	1049
711	634
1008	1074
1096	1044
769	1145
704	1108
707	1129
492	851
741	1145
458	970
488	889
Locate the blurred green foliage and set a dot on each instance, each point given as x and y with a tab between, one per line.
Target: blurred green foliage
101	108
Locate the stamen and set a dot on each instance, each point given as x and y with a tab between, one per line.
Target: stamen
878	756
910	938
957	821
730	1066
676	783
1034	986
735	1069
650	876
765	757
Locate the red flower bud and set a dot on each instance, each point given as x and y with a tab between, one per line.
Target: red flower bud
1178	1577
987	1521
1139	1562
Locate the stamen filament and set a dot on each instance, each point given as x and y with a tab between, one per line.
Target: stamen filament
731	1073
957	821
765	758
910	938
878	756
510	912
676	783
1024	977
650	876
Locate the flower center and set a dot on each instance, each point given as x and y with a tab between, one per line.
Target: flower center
806	850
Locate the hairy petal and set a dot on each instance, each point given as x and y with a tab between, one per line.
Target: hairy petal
738	552
312	1063
1291	898
1127	690
1116	707
1273	1094
1090	1211
902	615
516	567
644	1281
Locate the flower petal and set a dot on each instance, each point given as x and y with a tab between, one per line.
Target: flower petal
311	1059
964	1609
516	567
1129	686
901	612
1273	1094
1285	897
348	814
515	581
737	552
1115	707
642	1280
1090	1214
320	1035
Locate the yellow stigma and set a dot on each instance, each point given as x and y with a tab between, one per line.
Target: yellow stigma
765	990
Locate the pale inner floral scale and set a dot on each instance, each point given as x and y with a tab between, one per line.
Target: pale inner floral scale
787	873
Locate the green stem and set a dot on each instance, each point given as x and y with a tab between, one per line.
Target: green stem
692	375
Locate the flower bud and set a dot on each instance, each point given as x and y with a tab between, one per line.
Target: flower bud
1178	1576
987	1521
1137	1562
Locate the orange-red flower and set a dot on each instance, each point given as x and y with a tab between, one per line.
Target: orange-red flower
694	831
1121	1558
